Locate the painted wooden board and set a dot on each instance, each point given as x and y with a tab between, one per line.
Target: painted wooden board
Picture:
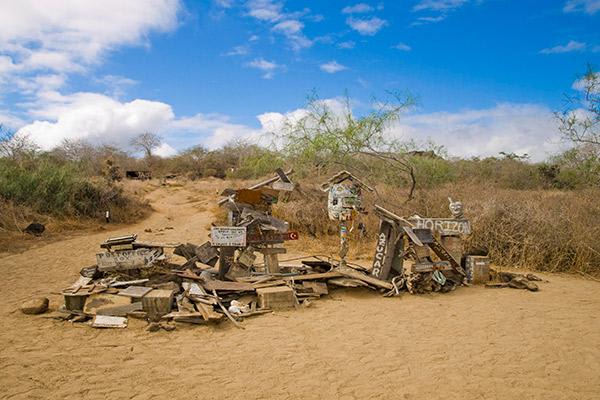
128	259
106	321
228	236
445	226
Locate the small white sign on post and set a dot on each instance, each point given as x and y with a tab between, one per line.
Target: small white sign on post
228	236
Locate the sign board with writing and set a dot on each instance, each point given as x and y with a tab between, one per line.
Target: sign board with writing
445	226
128	259
384	252
228	236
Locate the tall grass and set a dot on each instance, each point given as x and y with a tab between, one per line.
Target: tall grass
48	188
545	230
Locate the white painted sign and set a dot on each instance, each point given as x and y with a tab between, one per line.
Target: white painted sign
446	226
228	236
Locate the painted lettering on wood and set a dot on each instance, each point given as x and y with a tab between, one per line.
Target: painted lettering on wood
446	226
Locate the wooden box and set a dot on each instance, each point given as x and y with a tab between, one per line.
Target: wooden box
157	303
477	269
274	298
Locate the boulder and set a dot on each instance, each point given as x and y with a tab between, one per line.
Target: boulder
37	305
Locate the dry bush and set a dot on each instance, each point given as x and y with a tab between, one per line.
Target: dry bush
538	229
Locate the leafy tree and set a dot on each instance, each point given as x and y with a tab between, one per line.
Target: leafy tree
328	133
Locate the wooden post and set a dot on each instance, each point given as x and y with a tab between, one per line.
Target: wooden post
386	250
226	255
271	255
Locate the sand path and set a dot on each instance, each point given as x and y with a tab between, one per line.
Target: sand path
474	343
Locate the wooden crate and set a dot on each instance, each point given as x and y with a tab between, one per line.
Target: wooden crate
278	297
157	303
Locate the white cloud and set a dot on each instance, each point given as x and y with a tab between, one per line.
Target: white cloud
115	84
292	30
429	20
94	117
238	51
70	35
585	6
286	24
332	67
438	5
99	119
212	131
567	48
346	45
268	67
289	27
265	10
164	150
402	47
517	128
367	26
357	9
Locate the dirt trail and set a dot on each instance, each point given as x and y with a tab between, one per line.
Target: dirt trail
474	343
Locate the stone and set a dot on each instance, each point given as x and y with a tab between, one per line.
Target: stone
38	305
153	327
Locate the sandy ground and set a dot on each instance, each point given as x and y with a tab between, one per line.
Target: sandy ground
474	343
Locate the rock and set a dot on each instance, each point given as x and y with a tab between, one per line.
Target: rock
153	327
35	229
168	327
38	305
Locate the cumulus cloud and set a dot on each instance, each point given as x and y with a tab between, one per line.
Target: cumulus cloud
94	117
357	9
332	67
508	127
265	10
517	128
70	35
268	67
567	48
99	119
366	26
584	6
212	131
292	30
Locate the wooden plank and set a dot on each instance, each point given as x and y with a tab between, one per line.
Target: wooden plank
323	275
227	286
135	291
371	280
105	321
120	311
384	251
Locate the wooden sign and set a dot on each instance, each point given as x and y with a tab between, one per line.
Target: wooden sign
228	236
384	251
271	237
128	259
445	226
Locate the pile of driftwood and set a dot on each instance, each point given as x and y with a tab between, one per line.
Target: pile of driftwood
134	279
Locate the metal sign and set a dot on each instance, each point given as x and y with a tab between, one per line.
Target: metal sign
228	236
446	226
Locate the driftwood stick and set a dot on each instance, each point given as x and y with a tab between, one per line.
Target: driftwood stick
237	324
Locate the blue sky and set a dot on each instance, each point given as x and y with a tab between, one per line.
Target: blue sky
487	73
